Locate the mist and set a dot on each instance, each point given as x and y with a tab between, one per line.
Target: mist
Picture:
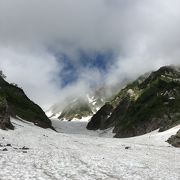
35	36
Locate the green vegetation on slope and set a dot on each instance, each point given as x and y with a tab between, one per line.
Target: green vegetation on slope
146	104
20	105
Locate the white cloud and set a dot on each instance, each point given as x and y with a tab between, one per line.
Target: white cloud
142	34
36	73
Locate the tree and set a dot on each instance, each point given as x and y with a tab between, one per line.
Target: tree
2	74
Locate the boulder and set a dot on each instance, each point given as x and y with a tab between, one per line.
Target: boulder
175	140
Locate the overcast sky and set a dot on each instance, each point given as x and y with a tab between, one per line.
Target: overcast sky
57	48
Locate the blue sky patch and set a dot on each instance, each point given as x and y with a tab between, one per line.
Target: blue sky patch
72	68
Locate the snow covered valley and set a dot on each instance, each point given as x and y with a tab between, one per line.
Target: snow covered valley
30	152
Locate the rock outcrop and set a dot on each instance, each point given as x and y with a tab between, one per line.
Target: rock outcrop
175	140
5	122
100	118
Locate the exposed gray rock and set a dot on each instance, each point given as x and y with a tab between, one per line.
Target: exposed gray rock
5	122
5	149
175	140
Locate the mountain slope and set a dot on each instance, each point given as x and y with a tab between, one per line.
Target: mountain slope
147	104
78	107
14	102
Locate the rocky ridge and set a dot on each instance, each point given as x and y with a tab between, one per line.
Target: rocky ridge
151	102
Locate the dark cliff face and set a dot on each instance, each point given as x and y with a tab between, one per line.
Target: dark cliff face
100	118
19	105
145	105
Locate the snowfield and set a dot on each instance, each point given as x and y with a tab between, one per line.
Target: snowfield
78	154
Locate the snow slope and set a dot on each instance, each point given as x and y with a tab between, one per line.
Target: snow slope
78	127
79	154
